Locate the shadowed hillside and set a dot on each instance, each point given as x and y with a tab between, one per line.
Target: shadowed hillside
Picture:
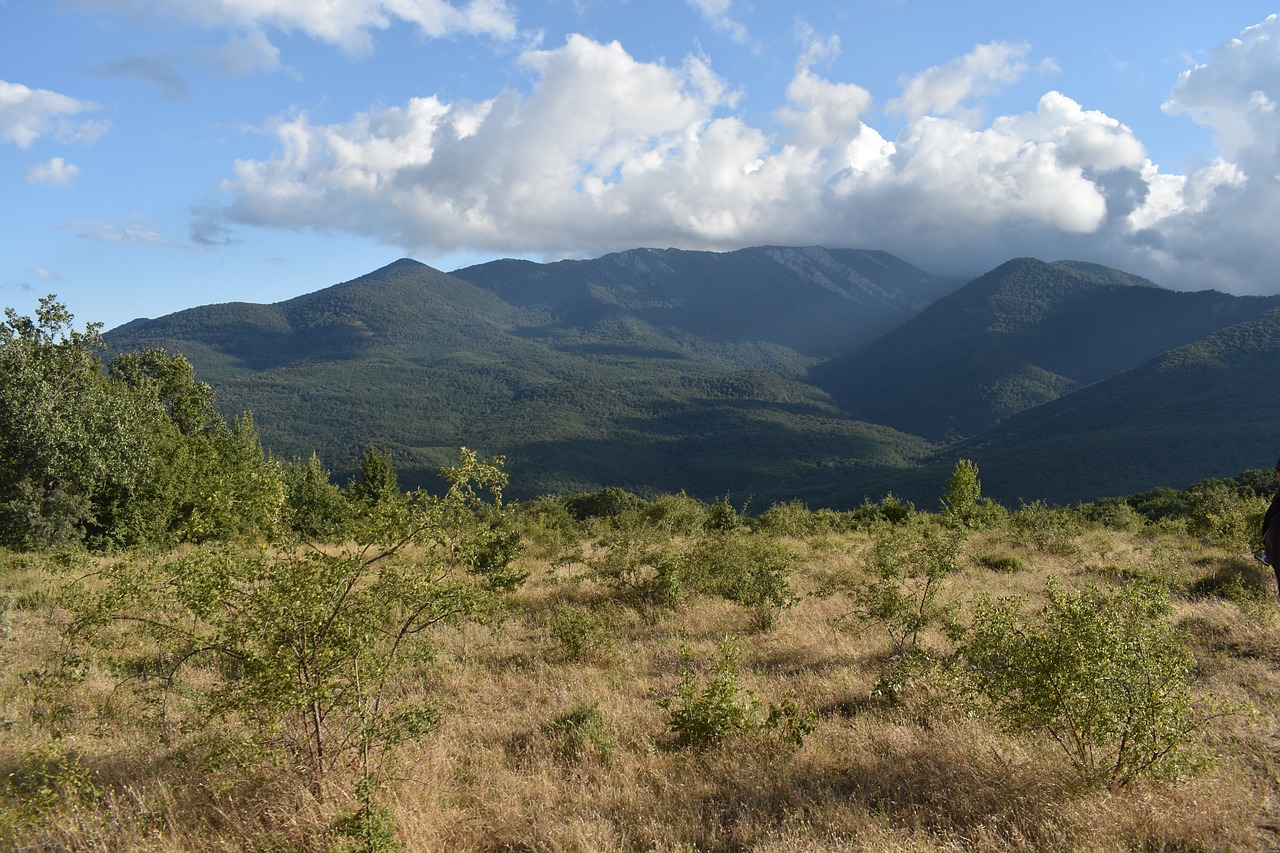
1024	334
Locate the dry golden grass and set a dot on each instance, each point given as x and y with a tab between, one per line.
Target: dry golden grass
89	767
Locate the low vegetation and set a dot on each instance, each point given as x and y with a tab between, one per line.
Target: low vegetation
362	668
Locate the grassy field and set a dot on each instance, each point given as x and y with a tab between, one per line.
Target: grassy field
555	721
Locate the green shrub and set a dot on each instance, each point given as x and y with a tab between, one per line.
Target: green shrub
751	569
1219	513
605	504
1051	530
678	514
786	519
549	529
1004	563
316	642
907	567
702	714
1102	673
963	504
640	562
581	733
579	631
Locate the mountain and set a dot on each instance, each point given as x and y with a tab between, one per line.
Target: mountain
1024	334
1198	411
812	301
766	374
650	370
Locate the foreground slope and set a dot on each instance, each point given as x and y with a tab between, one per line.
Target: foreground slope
1024	334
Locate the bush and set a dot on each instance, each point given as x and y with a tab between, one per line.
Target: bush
1006	563
316	642
581	733
677	514
751	569
704	714
641	563
1221	514
1051	530
787	519
701	715
579	631
1102	673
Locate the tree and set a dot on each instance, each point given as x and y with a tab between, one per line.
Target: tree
75	465
134	455
377	482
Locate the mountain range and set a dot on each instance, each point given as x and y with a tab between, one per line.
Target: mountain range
767	374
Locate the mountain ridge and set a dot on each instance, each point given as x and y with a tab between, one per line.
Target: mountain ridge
662	370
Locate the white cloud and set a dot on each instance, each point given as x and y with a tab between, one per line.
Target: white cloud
605	153
716	13
1235	92
113	232
345	23
55	173
248	53
942	89
27	114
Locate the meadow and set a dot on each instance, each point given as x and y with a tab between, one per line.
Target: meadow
670	675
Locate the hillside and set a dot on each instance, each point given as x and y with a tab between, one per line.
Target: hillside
1195	412
812	301
583	375
1024	334
661	371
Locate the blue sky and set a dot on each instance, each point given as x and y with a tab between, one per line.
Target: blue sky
161	154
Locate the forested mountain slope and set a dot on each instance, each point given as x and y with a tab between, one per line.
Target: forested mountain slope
1201	410
1024	334
585	377
661	371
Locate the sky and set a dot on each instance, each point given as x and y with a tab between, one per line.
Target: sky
157	155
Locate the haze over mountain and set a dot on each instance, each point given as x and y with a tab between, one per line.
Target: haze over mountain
768	374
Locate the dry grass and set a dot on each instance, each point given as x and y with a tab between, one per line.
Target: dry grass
88	767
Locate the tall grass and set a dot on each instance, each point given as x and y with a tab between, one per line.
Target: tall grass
555	732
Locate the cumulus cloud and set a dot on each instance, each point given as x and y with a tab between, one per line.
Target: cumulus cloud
942	89
345	23
27	114
605	152
55	173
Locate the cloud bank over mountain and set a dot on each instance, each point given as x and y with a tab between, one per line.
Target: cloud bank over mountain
605	152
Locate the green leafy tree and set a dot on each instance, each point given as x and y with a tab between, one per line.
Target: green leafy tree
907	569
233	490
316	509
377	482
963	504
75	462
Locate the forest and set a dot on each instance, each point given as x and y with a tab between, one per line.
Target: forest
208	647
